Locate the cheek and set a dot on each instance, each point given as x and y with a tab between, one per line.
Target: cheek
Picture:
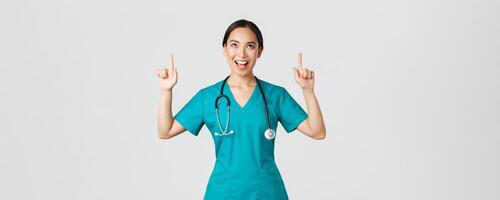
231	53
254	54
228	54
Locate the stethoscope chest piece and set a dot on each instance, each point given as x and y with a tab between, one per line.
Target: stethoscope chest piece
269	134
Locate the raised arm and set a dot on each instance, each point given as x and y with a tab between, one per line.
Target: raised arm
168	127
313	126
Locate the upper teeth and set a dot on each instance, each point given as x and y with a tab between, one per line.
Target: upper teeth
241	62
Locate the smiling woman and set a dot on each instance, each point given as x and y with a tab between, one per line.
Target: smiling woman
245	166
242	44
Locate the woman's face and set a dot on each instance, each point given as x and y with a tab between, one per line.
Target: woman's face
241	51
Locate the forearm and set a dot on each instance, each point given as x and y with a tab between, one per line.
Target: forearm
315	117
165	118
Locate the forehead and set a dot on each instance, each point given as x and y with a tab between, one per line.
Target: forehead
243	34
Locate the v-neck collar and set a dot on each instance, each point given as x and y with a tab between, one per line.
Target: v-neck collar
227	89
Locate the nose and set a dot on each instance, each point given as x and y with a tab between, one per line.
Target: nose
242	52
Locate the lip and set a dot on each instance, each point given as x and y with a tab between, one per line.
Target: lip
240	65
241	61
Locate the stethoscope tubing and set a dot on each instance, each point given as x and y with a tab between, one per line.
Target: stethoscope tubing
228	104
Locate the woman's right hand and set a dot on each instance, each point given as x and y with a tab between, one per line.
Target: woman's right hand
168	76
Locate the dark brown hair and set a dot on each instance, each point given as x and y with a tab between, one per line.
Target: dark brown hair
244	23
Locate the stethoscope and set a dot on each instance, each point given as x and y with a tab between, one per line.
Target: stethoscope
269	133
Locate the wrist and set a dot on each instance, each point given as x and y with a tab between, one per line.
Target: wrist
308	90
166	91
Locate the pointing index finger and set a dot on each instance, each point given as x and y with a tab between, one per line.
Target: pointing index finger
299	57
171	60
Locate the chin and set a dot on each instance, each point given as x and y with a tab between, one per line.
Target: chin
242	72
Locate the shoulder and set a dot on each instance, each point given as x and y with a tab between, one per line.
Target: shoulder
273	91
271	87
211	90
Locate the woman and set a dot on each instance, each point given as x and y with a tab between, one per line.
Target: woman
242	113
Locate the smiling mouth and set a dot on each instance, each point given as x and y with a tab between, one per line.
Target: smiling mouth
241	64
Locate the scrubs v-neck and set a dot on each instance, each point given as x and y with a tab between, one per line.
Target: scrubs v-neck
244	166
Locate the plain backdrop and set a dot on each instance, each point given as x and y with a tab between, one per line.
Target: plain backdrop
410	92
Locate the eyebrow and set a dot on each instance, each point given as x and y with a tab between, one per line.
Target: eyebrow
252	42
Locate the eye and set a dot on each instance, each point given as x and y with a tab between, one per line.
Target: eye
234	45
251	46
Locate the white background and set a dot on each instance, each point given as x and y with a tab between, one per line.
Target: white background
409	91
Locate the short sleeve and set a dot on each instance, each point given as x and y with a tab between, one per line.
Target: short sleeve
290	112
191	115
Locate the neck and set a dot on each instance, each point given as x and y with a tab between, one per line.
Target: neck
241	81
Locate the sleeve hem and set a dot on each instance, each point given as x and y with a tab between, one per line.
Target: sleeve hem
296	123
189	129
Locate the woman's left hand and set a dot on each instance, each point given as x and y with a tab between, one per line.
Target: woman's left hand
303	76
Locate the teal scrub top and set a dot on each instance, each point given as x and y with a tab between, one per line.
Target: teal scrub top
244	166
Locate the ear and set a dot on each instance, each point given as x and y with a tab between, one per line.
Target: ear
260	52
